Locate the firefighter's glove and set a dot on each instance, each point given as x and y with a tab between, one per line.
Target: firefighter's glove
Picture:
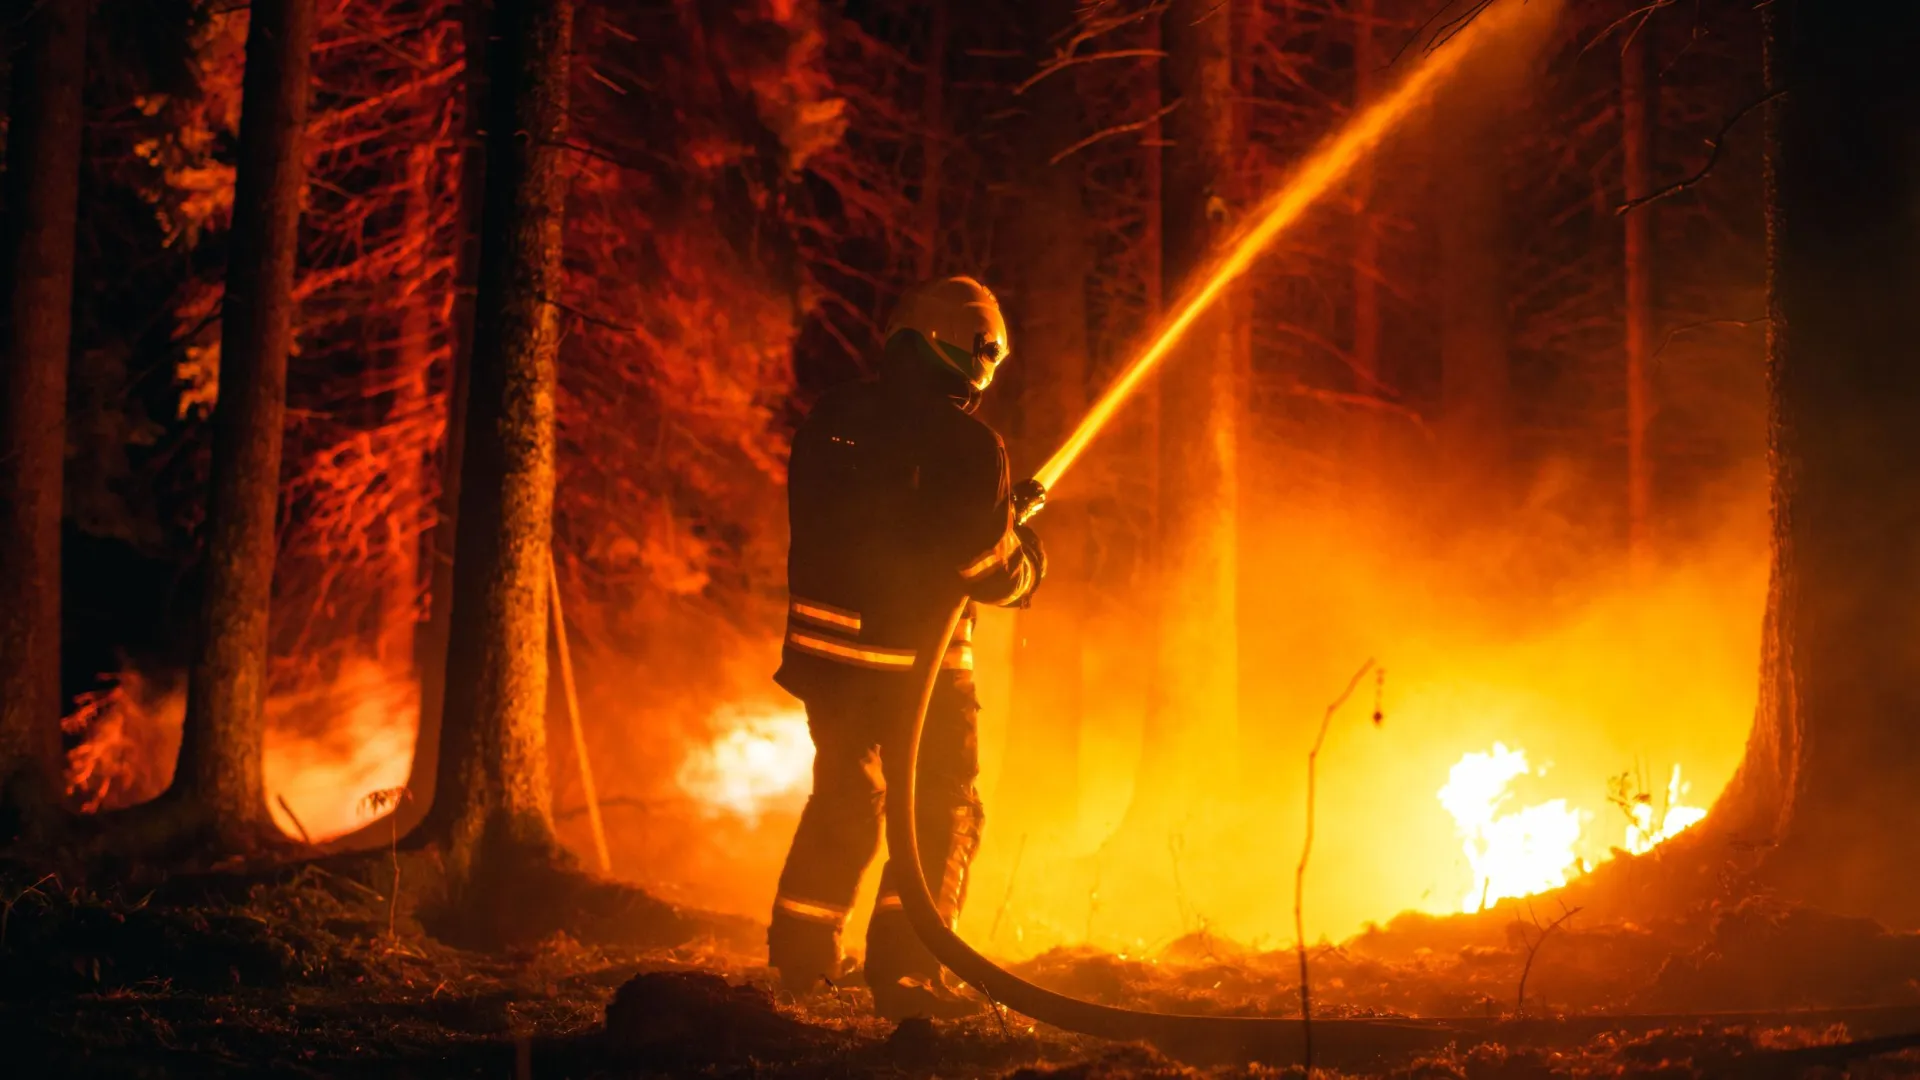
1028	499
1036	554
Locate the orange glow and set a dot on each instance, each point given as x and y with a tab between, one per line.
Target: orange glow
364	745
1327	166
760	761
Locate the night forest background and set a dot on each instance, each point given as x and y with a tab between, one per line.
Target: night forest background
1431	371
1581	393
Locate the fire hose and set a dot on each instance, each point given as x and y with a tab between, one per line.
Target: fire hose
1258	1038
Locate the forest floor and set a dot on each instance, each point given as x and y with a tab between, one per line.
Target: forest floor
300	972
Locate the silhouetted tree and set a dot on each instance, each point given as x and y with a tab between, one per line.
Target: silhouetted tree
493	799
43	174
219	773
1197	688
1831	778
1051	256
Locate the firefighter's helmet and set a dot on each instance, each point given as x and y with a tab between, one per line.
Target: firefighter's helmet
961	322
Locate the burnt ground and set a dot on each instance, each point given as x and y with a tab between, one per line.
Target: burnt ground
293	972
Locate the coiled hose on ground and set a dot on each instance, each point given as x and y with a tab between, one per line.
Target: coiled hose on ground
1276	1040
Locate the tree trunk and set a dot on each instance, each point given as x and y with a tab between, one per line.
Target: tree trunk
1193	711
1832	773
1636	137
493	802
1366	255
43	183
1041	778
219	773
1470	190
933	138
430	654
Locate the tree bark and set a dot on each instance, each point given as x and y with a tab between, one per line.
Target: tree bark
1832	773
493	802
1041	777
1475	382
1636	137
1193	710
430	654
219	772
43	183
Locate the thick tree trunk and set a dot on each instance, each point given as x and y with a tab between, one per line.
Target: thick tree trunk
1041	777
219	773
1468	205
1832	774
1636	139
430	653
43	183
1192	718
493	801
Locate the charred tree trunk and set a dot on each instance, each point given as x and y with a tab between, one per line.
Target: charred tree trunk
1193	713
493	802
219	773
43	183
1636	137
430	646
1832	773
1475	381
1042	772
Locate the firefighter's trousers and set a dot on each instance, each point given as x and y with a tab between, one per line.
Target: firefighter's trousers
840	830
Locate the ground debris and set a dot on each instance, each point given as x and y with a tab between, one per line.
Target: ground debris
296	974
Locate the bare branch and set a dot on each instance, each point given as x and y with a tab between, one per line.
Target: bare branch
1713	158
1701	325
1300	872
1060	63
1117	129
1533	950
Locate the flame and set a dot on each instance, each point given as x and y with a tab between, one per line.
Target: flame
760	761
1648	828
1514	853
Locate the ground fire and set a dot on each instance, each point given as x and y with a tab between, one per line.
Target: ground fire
1117	538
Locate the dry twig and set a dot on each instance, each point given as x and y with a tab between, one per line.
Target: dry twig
1300	872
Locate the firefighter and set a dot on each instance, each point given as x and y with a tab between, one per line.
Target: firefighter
898	497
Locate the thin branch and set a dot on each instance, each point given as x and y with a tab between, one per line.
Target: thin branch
1533	950
1701	325
1062	63
1117	129
1300	872
1713	158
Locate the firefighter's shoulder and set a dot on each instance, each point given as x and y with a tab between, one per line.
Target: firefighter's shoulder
974	436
